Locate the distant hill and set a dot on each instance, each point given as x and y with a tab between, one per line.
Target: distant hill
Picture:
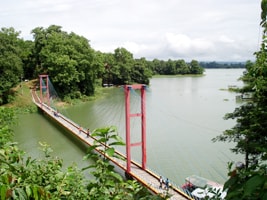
222	64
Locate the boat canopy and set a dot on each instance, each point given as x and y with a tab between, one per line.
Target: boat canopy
201	182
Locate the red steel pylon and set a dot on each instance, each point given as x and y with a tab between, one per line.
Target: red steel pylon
42	86
128	115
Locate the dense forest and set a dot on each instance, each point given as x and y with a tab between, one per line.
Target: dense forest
73	66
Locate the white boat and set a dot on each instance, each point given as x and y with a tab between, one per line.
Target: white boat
198	188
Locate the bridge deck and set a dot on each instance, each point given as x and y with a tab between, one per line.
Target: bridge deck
145	177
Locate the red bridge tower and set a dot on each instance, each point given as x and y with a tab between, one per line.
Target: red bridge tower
128	115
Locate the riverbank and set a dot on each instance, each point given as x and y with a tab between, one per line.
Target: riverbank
22	95
22	100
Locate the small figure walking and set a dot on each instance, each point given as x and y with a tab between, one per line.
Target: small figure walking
167	184
160	182
88	132
56	113
80	129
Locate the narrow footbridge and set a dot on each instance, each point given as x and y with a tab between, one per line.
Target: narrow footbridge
144	176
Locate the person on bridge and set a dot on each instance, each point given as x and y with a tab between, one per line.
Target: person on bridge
167	184
88	132
160	182
56	113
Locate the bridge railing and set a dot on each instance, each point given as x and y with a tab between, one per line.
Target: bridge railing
172	185
74	127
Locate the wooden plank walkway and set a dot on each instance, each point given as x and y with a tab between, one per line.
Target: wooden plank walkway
145	177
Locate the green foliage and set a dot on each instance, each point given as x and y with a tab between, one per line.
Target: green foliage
67	58
7	117
195	68
107	183
174	67
107	137
44	178
121	68
250	132
10	63
28	178
123	63
246	183
141	72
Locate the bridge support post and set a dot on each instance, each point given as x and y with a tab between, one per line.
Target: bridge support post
42	86
128	115
143	116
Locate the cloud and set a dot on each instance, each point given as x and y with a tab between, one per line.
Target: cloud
183	45
134	47
176	29
225	39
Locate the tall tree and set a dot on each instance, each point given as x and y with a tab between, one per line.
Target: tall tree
11	66
28	59
249	181
170	67
123	63
182	67
250	132
195	68
108	73
141	72
67	58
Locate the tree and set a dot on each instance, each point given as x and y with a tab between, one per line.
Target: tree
182	67
28	60
11	66
107	74
249	181
250	132
140	72
67	58
170	68
123	63
174	67
195	68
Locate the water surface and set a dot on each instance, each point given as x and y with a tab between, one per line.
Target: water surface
183	115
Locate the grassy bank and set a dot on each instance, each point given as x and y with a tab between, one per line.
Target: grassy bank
22	100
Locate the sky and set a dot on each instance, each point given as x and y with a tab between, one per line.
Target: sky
204	30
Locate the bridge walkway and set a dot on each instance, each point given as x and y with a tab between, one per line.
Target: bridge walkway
145	177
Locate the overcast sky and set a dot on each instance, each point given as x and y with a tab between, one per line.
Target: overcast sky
205	30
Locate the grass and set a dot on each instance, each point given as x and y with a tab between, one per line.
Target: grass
23	94
22	99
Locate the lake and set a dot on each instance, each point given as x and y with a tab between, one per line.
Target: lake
183	114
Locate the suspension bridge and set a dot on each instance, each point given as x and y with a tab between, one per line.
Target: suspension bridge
131	168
